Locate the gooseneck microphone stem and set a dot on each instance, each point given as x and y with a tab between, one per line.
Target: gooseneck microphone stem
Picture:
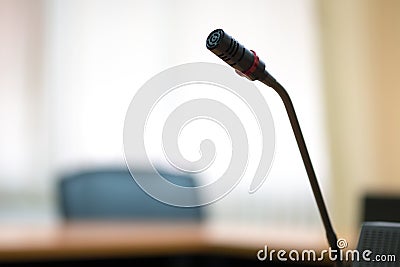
246	62
330	232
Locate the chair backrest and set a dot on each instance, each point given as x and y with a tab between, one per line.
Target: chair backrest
112	194
381	208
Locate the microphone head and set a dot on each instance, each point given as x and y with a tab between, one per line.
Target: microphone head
233	53
215	38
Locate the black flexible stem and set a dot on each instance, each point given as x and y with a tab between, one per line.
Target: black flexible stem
330	232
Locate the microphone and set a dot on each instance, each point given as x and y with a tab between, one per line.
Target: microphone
237	56
246	62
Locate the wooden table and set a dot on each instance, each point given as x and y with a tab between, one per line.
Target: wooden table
116	239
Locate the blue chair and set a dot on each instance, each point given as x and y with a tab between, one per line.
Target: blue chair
112	194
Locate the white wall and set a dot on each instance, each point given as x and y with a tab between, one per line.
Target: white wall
98	53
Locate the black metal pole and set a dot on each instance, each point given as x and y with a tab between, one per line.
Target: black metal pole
330	233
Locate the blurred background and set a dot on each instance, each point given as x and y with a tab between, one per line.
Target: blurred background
69	69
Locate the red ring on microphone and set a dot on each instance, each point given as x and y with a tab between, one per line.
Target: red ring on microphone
254	65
